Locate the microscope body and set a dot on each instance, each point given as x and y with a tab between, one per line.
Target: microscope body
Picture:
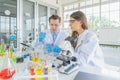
69	61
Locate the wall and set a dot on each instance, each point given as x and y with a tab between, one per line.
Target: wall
52	2
109	36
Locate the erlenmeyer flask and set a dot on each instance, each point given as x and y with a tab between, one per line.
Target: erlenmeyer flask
8	69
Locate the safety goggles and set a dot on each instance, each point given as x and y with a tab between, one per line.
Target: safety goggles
72	21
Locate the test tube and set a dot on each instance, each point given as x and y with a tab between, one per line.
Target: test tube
32	73
10	53
39	71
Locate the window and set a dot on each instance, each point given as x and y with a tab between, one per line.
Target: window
53	11
75	5
100	13
6	21
82	7
28	20
43	17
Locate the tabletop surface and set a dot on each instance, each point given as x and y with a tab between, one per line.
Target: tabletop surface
88	76
90	73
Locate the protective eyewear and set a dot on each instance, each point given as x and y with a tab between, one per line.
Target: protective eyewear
71	21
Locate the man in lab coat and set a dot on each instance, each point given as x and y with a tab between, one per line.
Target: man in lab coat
53	37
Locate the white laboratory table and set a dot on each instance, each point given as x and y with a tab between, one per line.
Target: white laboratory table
108	71
92	70
114	73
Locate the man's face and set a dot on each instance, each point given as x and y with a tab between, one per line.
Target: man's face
54	25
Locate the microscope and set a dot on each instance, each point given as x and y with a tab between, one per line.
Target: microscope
69	61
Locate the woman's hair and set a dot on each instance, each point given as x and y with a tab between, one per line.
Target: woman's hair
80	16
74	34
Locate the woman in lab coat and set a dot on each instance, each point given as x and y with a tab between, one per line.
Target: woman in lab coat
87	49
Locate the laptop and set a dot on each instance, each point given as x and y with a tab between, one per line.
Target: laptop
89	76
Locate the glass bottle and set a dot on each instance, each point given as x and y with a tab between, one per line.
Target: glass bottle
8	68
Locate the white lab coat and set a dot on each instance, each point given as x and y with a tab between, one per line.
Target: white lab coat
40	46
88	51
49	38
60	37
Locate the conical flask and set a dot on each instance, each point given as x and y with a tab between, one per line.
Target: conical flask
8	69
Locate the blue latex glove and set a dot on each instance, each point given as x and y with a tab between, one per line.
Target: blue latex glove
42	36
56	49
49	48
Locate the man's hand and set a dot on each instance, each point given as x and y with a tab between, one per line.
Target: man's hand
56	49
49	48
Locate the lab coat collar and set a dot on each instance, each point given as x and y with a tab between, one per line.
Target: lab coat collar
58	36
55	32
81	38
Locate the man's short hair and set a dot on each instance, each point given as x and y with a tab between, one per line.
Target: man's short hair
55	17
